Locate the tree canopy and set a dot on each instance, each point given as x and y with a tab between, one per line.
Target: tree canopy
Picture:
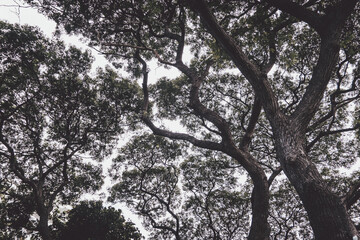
268	92
91	220
51	114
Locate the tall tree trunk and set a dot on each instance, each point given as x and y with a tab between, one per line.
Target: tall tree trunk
260	196
327	214
43	211
43	226
260	228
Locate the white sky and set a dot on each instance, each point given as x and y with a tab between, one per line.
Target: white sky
13	14
10	12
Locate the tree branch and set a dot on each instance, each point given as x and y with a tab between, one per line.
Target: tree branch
208	128
138	48
272	44
335	105
298	11
14	166
352	196
252	72
255	113
275	173
162	202
162	132
327	133
328	57
63	160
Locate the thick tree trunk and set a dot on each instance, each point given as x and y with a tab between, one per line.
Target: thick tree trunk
327	214
43	226
260	197
43	211
260	228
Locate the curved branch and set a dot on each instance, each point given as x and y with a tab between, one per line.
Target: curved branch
275	173
272	44
63	161
168	209
14	166
328	57
260	193
209	128
163	132
298	11
251	71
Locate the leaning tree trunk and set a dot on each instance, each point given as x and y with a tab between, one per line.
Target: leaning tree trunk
327	214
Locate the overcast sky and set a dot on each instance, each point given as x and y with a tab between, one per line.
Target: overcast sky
11	11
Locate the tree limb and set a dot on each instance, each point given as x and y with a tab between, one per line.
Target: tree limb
275	173
255	113
298	11
14	166
252	72
352	196
162	132
327	133
328	57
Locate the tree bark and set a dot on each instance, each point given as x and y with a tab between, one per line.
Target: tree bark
327	213
260	228
43	226
43	211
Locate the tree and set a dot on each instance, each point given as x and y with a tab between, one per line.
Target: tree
208	206
91	220
285	108
51	114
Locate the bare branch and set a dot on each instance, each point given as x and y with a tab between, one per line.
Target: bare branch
335	106
164	203
139	48
162	132
18	6
208	128
272	44
14	166
65	158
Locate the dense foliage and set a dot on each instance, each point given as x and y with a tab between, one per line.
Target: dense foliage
257	136
91	220
52	113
